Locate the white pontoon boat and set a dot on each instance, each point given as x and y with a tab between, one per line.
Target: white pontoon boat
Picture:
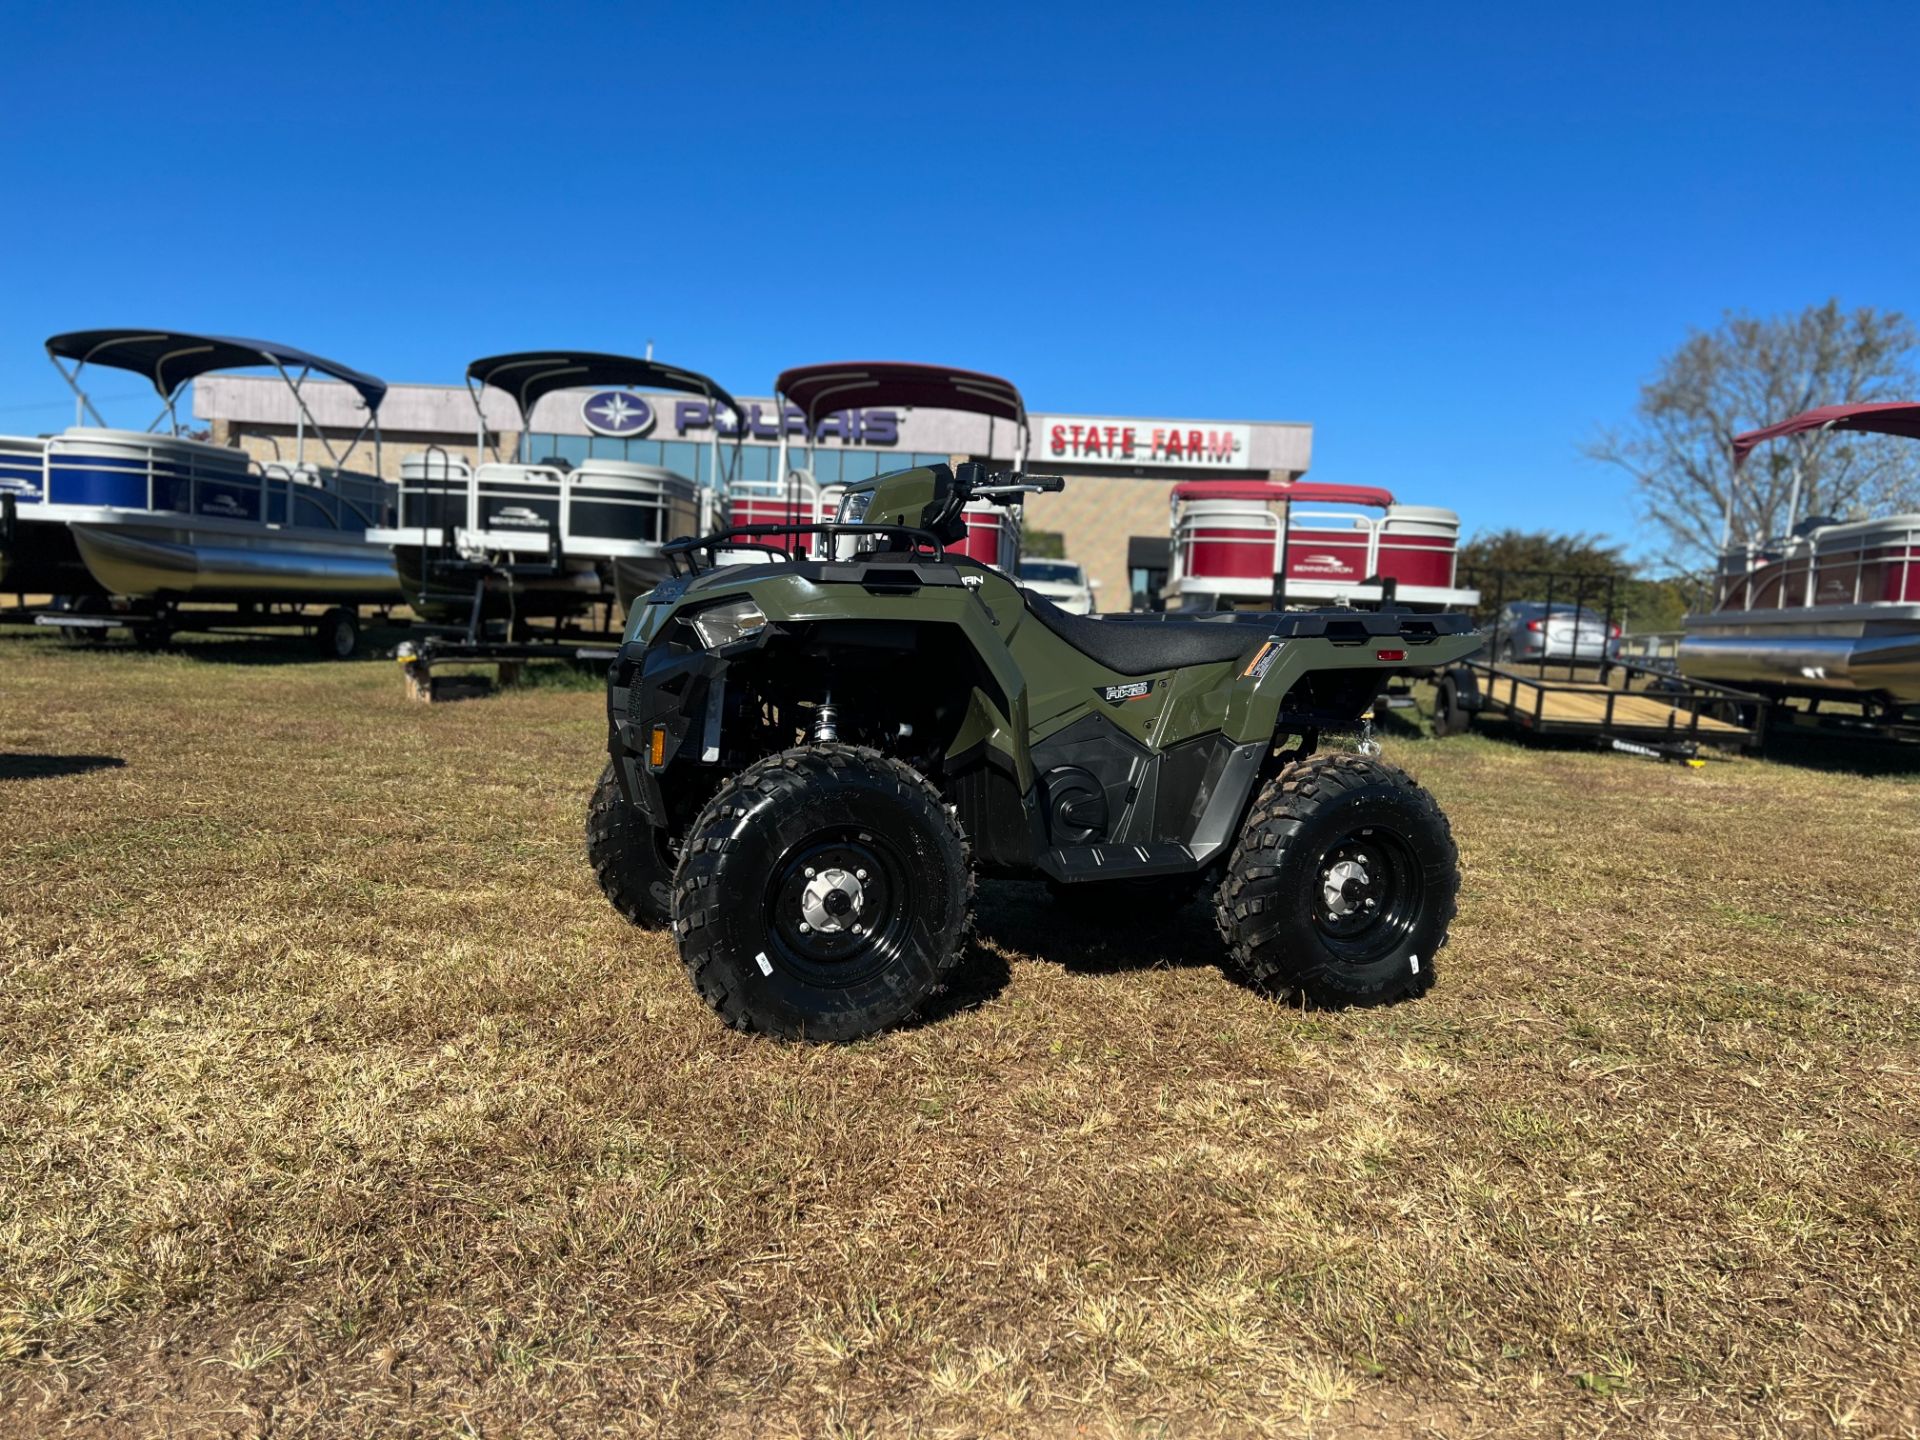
523	538
1830	611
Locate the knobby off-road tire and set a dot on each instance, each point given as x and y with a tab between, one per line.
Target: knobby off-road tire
1342	885
629	856
823	894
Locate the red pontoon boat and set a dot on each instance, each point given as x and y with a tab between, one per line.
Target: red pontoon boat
818	391
1831	611
1238	542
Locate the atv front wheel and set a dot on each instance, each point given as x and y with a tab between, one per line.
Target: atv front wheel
824	893
629	856
1342	885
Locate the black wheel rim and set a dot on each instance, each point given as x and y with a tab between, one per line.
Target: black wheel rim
838	907
1367	890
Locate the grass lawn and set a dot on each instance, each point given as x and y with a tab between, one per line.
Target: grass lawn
335	1100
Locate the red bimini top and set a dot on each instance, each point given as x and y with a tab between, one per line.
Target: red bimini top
1891	417
1270	490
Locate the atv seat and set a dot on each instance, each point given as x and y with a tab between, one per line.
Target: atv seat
1141	646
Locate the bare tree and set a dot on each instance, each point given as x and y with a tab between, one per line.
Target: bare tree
1751	372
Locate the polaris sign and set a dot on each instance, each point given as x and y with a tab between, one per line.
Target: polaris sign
618	413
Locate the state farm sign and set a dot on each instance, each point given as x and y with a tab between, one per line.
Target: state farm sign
1183	444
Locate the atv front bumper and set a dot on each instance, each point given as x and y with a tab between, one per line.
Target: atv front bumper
664	705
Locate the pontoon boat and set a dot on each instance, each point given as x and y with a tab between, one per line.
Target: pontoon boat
160	518
1241	544
1830	611
531	537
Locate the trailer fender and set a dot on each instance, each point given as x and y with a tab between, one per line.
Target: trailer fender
1466	688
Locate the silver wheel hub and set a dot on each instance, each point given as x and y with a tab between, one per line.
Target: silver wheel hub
1340	884
832	900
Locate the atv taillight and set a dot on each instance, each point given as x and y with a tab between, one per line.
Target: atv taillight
1389	654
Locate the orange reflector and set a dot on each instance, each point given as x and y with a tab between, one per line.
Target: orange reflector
657	746
1389	654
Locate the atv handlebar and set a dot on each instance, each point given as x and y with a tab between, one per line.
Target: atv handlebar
1014	482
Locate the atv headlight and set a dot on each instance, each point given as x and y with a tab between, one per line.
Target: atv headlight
724	624
853	508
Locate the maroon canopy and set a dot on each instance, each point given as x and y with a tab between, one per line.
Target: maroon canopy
821	389
1892	417
1305	490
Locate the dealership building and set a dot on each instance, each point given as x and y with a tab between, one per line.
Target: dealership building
1112	516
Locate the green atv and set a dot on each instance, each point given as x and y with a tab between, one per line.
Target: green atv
812	758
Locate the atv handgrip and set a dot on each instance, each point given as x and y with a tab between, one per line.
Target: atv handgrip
1014	482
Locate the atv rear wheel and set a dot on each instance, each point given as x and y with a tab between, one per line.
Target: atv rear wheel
629	856
823	894
1342	885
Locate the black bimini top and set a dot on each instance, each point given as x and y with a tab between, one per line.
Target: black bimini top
821	389
533	374
170	358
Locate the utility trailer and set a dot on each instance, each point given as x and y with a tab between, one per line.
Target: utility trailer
1628	707
418	659
93	620
1552	666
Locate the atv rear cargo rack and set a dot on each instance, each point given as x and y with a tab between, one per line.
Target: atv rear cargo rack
732	539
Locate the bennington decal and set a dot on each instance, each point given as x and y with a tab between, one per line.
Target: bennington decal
1118	694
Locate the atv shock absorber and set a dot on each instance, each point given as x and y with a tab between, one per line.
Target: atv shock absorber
826	722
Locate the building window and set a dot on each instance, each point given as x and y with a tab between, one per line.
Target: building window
680	456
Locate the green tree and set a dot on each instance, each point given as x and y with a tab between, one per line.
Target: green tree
1507	565
1043	544
1542	552
1748	373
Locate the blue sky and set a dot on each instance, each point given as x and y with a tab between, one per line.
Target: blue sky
1455	238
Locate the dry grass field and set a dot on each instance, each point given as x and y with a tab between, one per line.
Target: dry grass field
334	1100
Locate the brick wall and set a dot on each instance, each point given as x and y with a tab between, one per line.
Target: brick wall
1096	515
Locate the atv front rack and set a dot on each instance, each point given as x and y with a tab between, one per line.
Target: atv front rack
741	537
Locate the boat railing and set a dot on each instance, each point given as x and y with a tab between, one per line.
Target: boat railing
1864	563
445	498
164	474
798	500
